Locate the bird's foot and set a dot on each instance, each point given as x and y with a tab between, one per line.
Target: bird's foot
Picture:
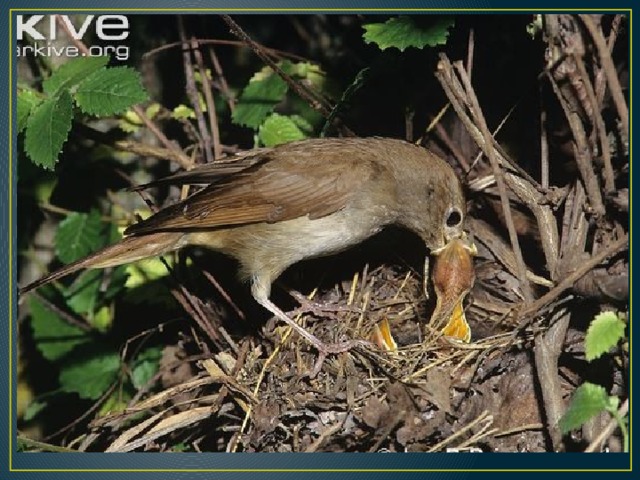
326	349
309	306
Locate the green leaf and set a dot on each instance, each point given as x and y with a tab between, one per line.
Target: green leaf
182	112
82	294
311	72
53	336
91	377
587	401
47	130
78	235
34	409
145	366
146	270
27	101
70	74
130	121
279	129
264	91
110	91
403	32
303	124
116	402
603	334
613	403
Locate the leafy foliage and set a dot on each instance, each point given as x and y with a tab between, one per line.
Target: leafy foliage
78	236
589	399
587	402
265	90
145	367
54	336
110	91
94	88
90	378
403	32
278	129
71	73
604	333
47	129
28	99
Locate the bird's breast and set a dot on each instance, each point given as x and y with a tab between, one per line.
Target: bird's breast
273	247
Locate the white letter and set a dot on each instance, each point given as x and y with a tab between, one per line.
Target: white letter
27	27
120	22
76	35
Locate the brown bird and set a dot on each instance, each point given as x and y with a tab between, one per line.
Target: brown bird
271	208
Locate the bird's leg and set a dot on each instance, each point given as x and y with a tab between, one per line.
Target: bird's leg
261	290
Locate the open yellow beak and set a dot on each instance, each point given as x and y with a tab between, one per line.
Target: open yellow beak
453	276
382	336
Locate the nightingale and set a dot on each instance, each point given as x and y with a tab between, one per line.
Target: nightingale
272	207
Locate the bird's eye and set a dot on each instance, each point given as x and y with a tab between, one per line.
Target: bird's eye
454	217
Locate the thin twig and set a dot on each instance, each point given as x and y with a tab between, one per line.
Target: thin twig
234	43
224	86
192	93
582	152
610	73
600	130
570	279
502	189
600	80
470	49
544	145
70	318
211	104
547	350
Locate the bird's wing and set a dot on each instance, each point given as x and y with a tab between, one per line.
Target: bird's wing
204	174
280	188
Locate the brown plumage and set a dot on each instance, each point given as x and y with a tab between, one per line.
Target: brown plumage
274	207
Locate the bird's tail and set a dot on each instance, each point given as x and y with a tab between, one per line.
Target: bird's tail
127	250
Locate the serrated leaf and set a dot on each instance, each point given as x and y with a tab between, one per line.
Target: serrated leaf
53	336
27	101
588	400
402	32
604	333
47	130
78	235
70	74
145	366
110	91
278	129
259	98
90	377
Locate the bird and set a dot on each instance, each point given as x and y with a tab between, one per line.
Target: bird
270	208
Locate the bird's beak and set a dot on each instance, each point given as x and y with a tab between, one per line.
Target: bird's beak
453	275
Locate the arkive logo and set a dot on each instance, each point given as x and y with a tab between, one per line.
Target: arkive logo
48	28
